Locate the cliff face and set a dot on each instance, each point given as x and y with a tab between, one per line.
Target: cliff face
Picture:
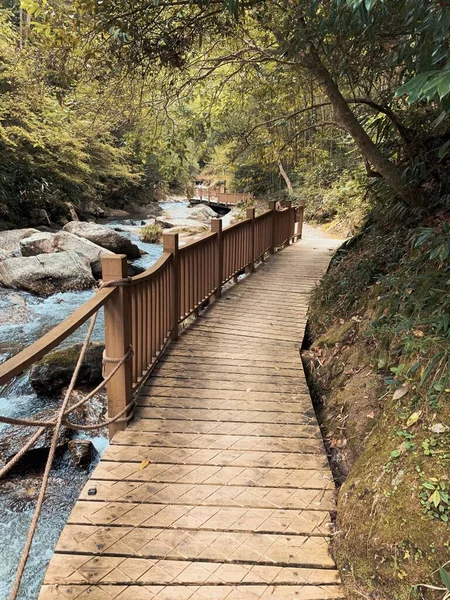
378	365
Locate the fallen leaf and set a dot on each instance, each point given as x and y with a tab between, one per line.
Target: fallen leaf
144	464
400	392
435	498
413	418
438	428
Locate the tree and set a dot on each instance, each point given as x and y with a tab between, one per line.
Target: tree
351	49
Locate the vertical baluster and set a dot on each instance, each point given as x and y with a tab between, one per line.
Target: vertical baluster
139	331
153	318
134	341
191	281
146	326
182	285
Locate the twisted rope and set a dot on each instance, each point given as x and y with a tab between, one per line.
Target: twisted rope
65	410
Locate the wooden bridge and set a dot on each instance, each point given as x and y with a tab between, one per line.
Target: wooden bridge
219	488
219	197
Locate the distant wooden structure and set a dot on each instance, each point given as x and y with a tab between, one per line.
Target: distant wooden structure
220	196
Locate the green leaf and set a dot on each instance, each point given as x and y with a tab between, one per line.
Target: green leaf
443	150
435	498
445	578
428	486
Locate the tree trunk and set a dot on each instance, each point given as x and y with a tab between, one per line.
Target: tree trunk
390	173
285	176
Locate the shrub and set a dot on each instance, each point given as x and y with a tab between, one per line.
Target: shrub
151	233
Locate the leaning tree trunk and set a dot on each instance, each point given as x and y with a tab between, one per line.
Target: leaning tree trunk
390	173
285	176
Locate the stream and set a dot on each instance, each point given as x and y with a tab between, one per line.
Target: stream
23	319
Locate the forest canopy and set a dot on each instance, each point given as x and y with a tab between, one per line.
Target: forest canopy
342	103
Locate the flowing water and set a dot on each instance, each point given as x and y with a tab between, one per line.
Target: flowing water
25	318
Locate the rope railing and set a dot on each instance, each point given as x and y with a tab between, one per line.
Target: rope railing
142	316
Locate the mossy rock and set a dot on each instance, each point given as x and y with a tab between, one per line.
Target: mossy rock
54	371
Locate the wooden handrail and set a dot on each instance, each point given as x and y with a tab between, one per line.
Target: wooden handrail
146	313
198	241
24	359
151	271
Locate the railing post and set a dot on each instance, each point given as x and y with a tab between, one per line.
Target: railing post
170	245
117	339
301	211
250	213
273	208
216	227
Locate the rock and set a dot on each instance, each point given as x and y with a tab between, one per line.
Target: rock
4	254
82	452
39	216
204	213
134	269
72	213
65	241
47	274
9	240
94	209
165	224
38	243
104	237
14	309
116	212
16	438
55	370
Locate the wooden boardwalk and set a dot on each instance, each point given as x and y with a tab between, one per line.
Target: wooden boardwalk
220	487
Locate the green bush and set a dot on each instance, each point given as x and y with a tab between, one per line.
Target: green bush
151	233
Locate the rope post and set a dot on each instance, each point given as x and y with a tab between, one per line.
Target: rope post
170	245
250	213
117	339
273	208
300	215
216	227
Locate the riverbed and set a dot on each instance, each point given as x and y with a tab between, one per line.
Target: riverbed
25	318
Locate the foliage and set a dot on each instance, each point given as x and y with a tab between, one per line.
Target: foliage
151	233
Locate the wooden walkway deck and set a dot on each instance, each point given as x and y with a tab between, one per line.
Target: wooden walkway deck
220	488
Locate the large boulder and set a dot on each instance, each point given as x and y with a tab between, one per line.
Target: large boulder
204	213
10	240
65	241
47	243
55	370
47	274
104	237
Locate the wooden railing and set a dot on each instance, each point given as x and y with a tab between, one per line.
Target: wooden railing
220	196
145	311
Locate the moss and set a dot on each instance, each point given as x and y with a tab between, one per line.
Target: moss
338	334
